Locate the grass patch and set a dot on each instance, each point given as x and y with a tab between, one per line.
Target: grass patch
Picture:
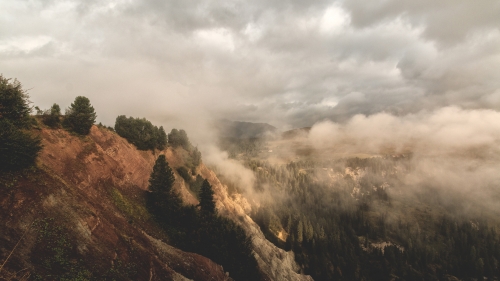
134	210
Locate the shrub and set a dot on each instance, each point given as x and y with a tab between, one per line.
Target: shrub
80	116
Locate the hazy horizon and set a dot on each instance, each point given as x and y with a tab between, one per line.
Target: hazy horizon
287	63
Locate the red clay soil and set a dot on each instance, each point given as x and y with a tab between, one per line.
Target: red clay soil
88	192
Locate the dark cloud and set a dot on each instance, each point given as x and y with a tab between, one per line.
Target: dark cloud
447	21
289	63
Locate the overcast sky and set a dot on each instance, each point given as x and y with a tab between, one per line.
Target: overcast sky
287	63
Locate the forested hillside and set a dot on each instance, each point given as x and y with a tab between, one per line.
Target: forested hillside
79	202
357	219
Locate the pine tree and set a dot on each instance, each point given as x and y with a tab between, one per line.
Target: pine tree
52	116
179	138
141	133
18	148
163	201
80	116
162	138
207	203
14	103
162	178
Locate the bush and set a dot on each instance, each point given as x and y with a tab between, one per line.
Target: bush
179	138
141	133
80	116
51	117
14	103
18	148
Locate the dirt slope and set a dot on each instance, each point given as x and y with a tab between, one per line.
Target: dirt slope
93	188
273	261
81	211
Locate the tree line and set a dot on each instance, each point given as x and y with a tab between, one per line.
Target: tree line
141	133
19	146
199	228
333	233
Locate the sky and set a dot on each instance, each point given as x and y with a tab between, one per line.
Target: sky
287	63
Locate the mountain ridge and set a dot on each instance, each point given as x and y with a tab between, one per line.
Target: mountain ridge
91	187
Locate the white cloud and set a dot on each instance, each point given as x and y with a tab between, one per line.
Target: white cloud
334	20
291	63
220	38
23	43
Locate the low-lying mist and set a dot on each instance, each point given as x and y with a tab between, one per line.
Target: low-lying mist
451	154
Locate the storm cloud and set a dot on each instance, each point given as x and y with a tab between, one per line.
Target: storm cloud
288	63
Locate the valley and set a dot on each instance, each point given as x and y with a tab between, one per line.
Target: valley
362	215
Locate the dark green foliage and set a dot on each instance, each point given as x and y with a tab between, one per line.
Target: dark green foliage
57	253
193	160
331	233
14	103
184	173
18	148
161	142
56	257
162	178
178	138
194	184
141	133
207	203
80	116
226	243
201	231
163	200
52	117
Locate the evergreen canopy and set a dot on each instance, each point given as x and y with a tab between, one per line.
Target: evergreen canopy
51	117
80	116
141	133
207	203
162	178
18	148
14	103
179	138
163	202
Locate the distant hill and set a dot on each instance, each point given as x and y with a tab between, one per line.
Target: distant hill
295	133
244	130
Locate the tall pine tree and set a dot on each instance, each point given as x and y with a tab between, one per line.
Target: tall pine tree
207	203
162	178
162	139
163	201
18	147
80	116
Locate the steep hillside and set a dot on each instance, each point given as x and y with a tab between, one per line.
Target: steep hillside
82	212
273	261
367	216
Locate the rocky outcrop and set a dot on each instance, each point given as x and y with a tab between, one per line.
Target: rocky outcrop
92	186
276	263
87	192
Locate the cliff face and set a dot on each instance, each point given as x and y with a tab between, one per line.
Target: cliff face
276	263
81	212
104	157
88	192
